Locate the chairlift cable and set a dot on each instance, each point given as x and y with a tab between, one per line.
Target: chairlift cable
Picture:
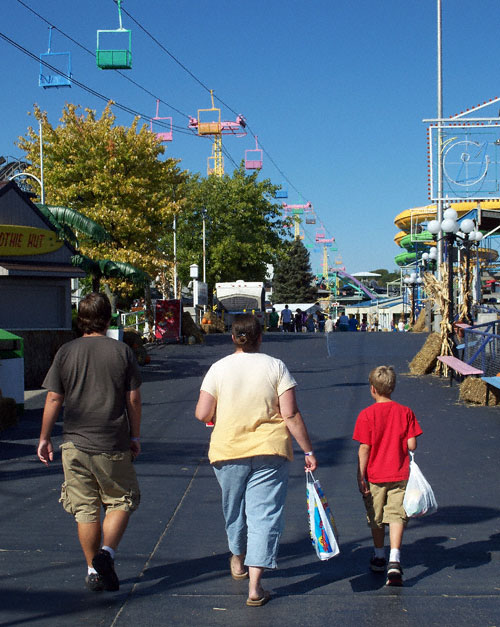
90	52
86	88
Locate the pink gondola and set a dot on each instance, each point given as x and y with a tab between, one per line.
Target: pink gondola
166	135
253	158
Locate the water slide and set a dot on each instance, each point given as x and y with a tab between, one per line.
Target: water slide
357	283
411	217
422	214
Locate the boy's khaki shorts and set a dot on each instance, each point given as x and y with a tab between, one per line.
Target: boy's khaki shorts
384	504
95	479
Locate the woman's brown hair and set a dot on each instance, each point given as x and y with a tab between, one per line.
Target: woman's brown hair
246	332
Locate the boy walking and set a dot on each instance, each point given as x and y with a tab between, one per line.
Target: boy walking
386	432
98	380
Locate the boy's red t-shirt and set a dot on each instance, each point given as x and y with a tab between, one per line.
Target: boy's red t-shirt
386	427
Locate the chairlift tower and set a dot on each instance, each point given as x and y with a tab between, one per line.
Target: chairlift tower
296	211
209	123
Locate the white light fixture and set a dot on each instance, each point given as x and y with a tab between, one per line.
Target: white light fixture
450	214
448	225
433	227
467	226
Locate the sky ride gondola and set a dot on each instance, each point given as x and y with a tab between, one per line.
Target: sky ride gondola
281	193
108	58
55	67
164	135
253	157
310	215
209	122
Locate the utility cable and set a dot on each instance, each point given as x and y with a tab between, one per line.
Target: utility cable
179	129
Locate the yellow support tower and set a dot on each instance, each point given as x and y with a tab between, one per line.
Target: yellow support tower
209	122
215	163
325	262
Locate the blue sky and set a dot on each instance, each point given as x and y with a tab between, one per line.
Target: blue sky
335	90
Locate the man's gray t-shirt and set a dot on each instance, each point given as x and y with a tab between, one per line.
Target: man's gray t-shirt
94	373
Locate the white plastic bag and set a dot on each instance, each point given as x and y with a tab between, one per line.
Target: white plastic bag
419	498
321	522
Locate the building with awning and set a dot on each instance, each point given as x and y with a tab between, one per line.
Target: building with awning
35	281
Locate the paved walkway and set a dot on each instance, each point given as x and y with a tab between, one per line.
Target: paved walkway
173	560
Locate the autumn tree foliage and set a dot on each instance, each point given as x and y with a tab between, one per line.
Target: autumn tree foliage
113	175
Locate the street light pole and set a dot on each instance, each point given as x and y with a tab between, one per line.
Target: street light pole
204	215
41	163
466	233
175	256
439	204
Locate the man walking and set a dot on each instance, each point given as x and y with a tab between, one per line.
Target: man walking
98	380
286	319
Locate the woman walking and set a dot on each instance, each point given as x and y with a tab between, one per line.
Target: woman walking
251	399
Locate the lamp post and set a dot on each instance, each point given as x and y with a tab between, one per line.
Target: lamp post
429	258
466	234
413	281
204	217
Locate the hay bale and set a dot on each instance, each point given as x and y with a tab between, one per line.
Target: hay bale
189	328
425	360
420	326
474	390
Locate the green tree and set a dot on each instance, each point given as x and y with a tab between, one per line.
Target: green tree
243	228
113	175
385	276
293	280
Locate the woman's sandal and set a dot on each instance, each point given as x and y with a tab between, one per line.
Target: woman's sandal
235	575
259	602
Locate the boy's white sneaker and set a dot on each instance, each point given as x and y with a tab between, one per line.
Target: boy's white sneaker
394	574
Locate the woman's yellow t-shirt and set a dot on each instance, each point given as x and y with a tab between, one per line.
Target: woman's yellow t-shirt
247	387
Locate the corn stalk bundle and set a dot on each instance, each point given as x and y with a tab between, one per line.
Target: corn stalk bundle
465	294
437	294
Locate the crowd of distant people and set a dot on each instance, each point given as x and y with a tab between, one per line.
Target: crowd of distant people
317	321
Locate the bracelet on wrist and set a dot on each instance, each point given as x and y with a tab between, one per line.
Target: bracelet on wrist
135	439
310	453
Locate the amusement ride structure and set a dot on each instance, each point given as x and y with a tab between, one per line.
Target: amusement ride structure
209	123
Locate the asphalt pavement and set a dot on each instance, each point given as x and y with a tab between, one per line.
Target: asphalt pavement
173	560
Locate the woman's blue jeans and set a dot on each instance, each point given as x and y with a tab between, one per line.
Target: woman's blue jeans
253	499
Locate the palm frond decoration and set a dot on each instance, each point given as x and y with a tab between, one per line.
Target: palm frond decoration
110	269
68	220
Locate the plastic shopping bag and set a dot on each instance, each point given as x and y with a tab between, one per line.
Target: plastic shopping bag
419	498
321	522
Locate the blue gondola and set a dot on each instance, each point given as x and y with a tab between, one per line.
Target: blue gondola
281	193
115	58
55	67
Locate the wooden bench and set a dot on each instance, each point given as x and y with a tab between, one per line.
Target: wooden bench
458	366
494	382
461	347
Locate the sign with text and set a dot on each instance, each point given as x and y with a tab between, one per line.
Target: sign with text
27	240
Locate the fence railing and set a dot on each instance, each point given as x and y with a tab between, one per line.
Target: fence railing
482	347
136	319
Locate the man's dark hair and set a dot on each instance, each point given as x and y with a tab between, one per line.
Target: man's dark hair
94	313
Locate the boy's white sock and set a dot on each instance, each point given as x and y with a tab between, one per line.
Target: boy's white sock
91	570
379	552
395	555
109	550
